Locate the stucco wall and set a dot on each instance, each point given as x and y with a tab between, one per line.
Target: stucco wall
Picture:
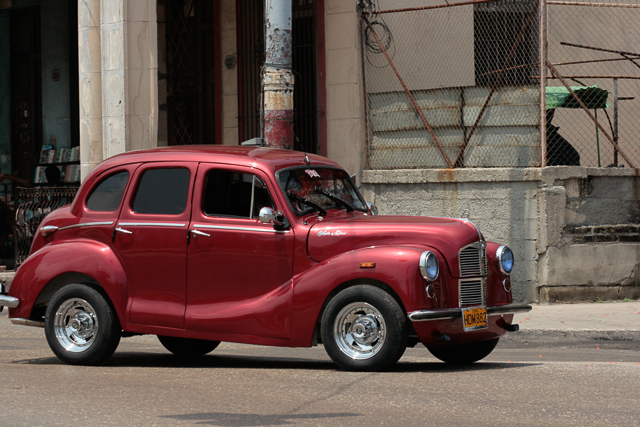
345	97
534	211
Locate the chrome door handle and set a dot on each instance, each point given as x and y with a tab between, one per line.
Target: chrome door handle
199	233
122	230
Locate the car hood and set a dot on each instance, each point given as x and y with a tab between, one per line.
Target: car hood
448	235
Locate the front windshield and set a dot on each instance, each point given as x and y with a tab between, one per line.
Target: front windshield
309	186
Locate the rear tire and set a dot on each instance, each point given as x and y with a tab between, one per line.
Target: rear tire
464	354
187	347
80	325
364	329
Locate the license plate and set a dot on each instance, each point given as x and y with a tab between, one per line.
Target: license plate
474	318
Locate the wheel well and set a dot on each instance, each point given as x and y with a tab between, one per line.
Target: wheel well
57	283
317	336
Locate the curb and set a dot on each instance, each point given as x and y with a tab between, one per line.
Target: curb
610	339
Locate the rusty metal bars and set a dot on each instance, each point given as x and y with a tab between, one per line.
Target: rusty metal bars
33	204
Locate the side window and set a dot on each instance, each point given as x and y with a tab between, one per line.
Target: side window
228	193
106	197
162	191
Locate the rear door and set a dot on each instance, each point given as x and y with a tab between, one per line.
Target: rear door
151	238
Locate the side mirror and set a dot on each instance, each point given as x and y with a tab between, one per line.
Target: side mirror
271	216
372	208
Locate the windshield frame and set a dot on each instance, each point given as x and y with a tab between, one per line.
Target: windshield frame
327	208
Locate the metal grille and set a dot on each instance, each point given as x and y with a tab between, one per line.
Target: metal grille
472	260
33	205
471	292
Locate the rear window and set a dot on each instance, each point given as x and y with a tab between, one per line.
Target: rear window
106	197
162	191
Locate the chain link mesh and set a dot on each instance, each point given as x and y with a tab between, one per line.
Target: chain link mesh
458	85
596	45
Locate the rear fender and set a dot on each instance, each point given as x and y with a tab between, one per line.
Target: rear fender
58	264
395	267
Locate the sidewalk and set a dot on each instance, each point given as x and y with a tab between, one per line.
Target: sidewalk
607	324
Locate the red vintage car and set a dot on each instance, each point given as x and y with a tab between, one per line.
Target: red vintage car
204	244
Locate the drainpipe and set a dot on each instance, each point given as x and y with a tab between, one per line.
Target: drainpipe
277	77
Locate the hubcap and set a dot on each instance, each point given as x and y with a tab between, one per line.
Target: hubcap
75	325
360	330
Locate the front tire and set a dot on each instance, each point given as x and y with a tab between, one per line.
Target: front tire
364	329
187	347
464	354
80	325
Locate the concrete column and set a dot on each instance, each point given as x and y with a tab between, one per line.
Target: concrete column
120	51
114	94
346	135
229	72
90	82
278	79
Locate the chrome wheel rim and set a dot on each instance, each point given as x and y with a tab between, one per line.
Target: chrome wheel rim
75	325
360	330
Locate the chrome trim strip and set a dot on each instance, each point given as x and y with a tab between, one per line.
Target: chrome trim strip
456	313
224	227
509	309
151	224
7	301
441	314
85	224
27	322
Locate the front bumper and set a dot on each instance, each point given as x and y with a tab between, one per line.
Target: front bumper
6	300
456	313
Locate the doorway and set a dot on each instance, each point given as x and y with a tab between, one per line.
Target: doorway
192	82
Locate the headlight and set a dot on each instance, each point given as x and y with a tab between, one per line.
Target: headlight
429	266
505	259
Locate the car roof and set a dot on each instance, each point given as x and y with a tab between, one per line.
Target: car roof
265	158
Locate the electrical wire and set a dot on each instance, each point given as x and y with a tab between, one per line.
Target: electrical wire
382	30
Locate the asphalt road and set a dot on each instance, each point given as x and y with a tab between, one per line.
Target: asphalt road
242	385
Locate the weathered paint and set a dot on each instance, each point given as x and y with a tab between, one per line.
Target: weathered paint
278	129
277	77
278	41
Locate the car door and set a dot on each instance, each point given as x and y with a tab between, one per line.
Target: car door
151	239
239	270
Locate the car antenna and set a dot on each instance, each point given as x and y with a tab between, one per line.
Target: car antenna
306	159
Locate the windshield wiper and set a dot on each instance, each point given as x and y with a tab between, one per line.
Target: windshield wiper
307	202
336	199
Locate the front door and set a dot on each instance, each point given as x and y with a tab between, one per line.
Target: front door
239	269
151	238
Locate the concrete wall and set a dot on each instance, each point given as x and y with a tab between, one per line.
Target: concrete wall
345	97
536	212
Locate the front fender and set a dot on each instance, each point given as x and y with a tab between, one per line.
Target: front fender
86	257
395	266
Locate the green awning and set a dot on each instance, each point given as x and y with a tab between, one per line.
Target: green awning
592	96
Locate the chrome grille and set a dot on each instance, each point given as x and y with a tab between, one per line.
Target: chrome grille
471	292
472	260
